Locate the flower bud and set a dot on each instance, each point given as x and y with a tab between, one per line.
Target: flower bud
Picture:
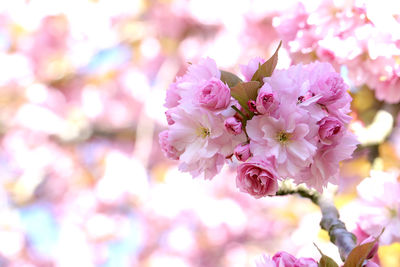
266	100
252	106
330	130
258	177
242	151
284	259
214	95
233	126
374	249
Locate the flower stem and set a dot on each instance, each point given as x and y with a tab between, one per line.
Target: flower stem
338	234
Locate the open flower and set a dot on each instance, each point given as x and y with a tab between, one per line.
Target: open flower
258	177
285	138
199	136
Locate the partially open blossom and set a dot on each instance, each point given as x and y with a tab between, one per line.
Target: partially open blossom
258	177
374	249
213	95
233	126
242	151
330	130
331	87
266	102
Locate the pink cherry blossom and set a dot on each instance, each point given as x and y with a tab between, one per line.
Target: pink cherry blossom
285	138
258	177
284	258
233	126
168	149
266	102
330	130
242	151
213	95
199	136
200	82
325	167
173	96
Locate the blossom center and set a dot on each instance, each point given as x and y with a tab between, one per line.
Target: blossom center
283	137
392	212
203	132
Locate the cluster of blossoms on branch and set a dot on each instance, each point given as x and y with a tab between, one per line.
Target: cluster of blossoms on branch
278	124
361	35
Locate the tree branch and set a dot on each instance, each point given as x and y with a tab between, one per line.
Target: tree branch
338	234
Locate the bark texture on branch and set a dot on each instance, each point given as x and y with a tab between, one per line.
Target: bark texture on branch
338	234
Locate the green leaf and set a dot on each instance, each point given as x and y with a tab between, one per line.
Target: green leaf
244	91
325	261
266	69
229	78
359	254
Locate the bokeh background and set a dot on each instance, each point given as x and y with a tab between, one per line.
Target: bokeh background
82	87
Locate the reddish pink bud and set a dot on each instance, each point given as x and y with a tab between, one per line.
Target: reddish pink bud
284	259
242	152
252	106
233	126
374	249
266	102
330	130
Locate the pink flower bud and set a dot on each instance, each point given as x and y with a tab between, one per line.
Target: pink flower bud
214	95
258	177
266	100
233	126
242	151
374	249
330	130
252	106
284	259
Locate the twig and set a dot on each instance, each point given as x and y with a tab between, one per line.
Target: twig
338	234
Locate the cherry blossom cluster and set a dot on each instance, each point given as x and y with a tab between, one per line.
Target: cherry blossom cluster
361	35
278	124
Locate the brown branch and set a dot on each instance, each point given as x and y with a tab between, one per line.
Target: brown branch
338	234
